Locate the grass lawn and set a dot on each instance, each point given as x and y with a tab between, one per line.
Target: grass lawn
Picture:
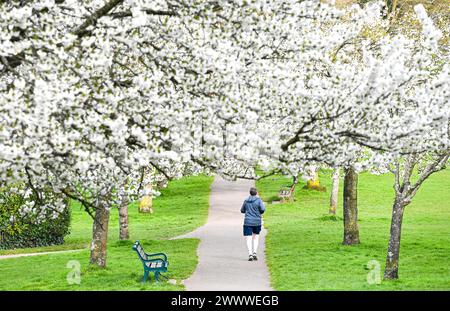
304	250
182	207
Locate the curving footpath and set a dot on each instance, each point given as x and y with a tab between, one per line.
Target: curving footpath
41	253
222	252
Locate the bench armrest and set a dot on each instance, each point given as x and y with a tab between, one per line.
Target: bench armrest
157	254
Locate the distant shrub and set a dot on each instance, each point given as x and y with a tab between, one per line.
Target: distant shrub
29	221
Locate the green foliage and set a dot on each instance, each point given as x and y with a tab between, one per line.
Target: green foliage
19	229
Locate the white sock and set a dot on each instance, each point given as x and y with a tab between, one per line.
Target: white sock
255	243
249	244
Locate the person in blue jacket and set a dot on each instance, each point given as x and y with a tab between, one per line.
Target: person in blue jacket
253	207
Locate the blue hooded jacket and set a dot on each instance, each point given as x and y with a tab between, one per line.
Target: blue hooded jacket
253	207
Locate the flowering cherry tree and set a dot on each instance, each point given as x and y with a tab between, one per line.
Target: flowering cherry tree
341	91
94	92
328	88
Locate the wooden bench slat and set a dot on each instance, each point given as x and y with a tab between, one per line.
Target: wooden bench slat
156	264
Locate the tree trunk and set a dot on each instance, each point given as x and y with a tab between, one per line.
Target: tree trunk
391	270
100	236
314	182
334	192
404	193
123	219
351	230
146	202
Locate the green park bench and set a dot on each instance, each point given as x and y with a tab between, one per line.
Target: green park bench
155	263
286	194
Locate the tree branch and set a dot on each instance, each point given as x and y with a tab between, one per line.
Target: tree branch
148	11
91	20
433	167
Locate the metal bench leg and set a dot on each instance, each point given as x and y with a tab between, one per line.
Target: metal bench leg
157	276
145	276
165	277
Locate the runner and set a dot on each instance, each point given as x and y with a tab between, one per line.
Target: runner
253	207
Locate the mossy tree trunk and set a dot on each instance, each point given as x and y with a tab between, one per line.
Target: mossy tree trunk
334	192
123	219
391	271
123	212
146	202
314	182
351	230
100	236
404	193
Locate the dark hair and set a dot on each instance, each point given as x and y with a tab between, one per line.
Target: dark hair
253	191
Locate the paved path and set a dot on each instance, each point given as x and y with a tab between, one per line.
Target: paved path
222	252
41	253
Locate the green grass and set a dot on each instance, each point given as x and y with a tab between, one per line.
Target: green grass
304	250
182	207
